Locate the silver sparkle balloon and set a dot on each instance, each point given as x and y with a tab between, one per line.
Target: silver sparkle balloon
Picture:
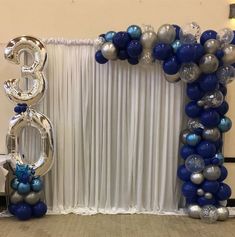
200	192
225	35
194	211
15	197
197	178
211	46
32	198
194	124
189	72
223	213
194	163
146	58
209	214
208	63
208	196
172	78
190	33
43	124
212	172
226	74
183	135
148	39
229	54
109	51
211	134
98	42
211	99
34	72
166	34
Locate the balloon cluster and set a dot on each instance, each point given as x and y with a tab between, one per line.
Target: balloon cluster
26	199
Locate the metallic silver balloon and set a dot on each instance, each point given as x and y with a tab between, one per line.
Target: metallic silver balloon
34	72
32	198
98	43
197	178
209	214
212	172
208	63
189	72
43	124
226	74
183	135
223	203
15	197
223	213
211	134
148	39
208	195
194	124
211	46
194	211
229	54
225	35
211	99
166	34
109	51
172	78
190	33
200	192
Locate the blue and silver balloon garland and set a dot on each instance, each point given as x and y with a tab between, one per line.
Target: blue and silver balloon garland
205	62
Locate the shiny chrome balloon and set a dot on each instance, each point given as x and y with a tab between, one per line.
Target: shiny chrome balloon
197	178
200	192
229	54
15	197
208	63
211	46
109	51
32	198
223	213
208	195
166	34
211	134
194	211
209	214
212	172
148	39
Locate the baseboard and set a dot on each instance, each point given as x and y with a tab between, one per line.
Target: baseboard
229	159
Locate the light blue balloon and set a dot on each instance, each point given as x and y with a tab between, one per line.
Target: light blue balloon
15	183
193	139
134	31
175	45
23	188
109	36
36	185
225	124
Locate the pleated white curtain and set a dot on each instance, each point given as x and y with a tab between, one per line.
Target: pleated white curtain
116	134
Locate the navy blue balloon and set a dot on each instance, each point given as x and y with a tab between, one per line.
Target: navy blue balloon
134	48
208	82
207	161
199	51
177	32
186	151
23	211
133	61
162	51
192	200
224	174
223	89
122	54
121	39
233	41
100	58
206	149
223	108
218	144
171	66
39	209
198	131
23	108
186	53
192	109
219	54
12	208
194	91
206	35
189	189
202	201
210	186
183	173
224	192
210	118
17	109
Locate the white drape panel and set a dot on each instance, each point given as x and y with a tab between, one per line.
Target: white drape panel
116	134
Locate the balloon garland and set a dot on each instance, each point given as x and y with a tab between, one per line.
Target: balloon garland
26	199
205	62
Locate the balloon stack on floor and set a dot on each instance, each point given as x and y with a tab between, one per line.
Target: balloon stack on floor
205	62
26	199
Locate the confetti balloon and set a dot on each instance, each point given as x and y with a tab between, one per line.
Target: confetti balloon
226	74
209	214
194	163
189	72
190	33
225	36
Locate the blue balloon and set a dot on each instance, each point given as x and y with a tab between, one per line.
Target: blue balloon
133	61
12	208
206	35
134	49
225	124
210	186
122	54
218	159
36	184
186	53
186	151
208	82
206	149
219	54
23	188
177	31
192	200
202	201
207	162
109	36
15	183
199	52
121	39
218	144
192	109
189	190
223	108
233	41
39	209
193	139
198	131
183	173
17	109
223	89
23	108
194	91
210	118
23	211
224	174
175	45
224	192
134	31
162	51
100	58
171	66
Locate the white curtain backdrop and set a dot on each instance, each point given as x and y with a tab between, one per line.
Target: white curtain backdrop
117	132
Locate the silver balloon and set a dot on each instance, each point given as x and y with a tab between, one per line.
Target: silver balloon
43	124
166	34
223	213
229	54
109	51
225	35
146	58
200	192
211	46
226	74
172	78
15	197
211	99
98	43
189	72
211	134
212	172
194	211
148	39
208	195
208	63
190	33
197	178
223	203
32	198
33	72
209	214
194	124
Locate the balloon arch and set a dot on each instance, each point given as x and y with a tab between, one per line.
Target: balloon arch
205	62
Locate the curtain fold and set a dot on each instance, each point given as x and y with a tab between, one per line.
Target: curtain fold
117	132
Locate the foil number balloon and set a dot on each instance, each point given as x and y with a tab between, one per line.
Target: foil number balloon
31	117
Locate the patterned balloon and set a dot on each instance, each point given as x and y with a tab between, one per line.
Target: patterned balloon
209	214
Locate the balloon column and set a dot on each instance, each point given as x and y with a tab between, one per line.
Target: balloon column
26	200
205	62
